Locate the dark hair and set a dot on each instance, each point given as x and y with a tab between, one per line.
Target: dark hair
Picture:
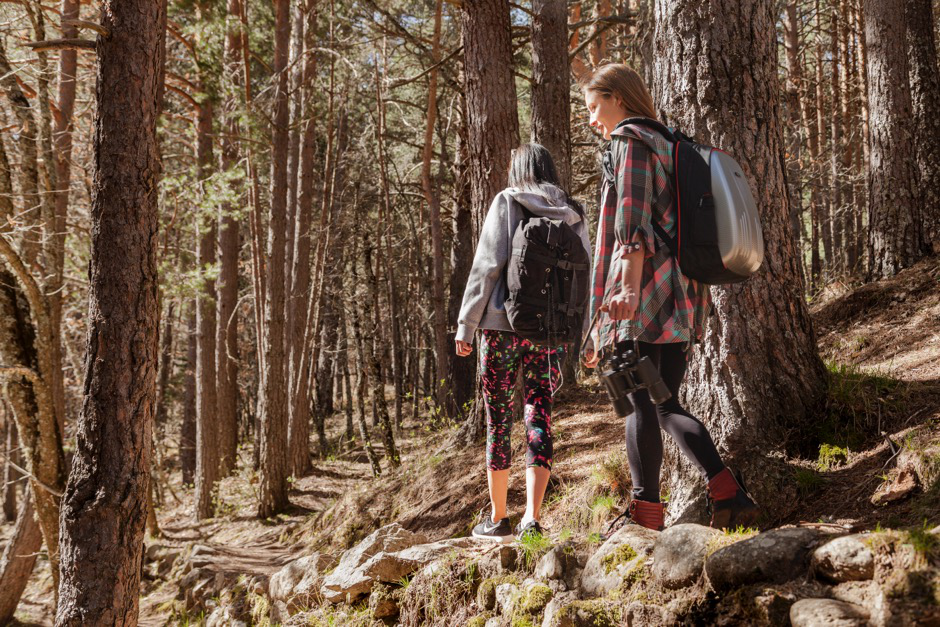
532	169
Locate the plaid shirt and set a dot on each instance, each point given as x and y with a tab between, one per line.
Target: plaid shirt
672	307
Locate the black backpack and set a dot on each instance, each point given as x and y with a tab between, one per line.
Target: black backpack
547	278
719	237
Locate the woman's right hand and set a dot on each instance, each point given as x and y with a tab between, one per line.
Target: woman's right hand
590	356
463	348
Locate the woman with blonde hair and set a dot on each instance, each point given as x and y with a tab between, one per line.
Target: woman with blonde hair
643	300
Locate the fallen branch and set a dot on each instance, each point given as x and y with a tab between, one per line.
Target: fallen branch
61	44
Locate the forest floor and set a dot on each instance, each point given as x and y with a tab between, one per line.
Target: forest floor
880	341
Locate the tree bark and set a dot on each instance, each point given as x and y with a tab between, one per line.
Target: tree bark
551	100
207	428
895	236
300	294
925	95
272	401
105	503
226	362
756	378
188	423
10	475
18	559
837	217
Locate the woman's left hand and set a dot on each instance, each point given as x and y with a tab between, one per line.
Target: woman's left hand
623	305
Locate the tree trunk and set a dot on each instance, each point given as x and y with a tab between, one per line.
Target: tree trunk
226	362
18	559
822	179
105	503
747	384
188	424
492	119
300	294
272	401
925	95
63	165
207	428
895	237
837	263
10	476
361	373
376	383
551	82
463	372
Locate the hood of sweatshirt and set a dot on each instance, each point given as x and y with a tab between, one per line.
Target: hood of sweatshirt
550	202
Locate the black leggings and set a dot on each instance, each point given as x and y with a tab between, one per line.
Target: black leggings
644	439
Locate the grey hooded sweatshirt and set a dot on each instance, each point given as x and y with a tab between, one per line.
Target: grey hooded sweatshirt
484	298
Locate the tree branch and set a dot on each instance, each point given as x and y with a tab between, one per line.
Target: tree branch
84	24
61	44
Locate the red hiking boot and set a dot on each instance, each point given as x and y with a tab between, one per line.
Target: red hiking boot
729	503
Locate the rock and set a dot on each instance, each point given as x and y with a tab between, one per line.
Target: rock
642	615
535	597
506	597
679	554
348	581
903	484
867	594
300	578
775	556
844	559
625	550
508	556
391	567
774	606
594	613
827	613
560	600
493	622
279	613
560	563
382	602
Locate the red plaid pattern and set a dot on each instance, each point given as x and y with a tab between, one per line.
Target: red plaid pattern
672	307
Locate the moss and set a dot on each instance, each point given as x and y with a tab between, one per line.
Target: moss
535	599
621	555
478	621
831	456
593	612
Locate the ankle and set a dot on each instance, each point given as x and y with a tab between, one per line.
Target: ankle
527	518
723	486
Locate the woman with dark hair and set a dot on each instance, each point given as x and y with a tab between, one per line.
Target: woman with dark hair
643	300
533	184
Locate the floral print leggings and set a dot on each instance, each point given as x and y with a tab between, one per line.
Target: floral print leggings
501	355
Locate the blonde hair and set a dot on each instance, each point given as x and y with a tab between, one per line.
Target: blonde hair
617	79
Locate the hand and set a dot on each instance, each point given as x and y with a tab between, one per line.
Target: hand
463	348
622	306
590	356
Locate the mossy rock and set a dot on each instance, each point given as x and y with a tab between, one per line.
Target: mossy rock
535	598
486	592
623	554
478	621
585	614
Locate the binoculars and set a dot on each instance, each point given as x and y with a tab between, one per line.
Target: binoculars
627	373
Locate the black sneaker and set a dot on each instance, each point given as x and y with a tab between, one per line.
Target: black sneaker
532	527
488	530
